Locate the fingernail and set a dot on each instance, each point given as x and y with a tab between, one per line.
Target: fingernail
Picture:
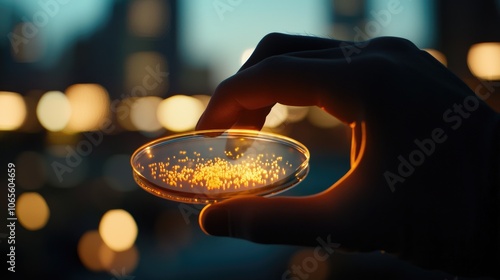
215	221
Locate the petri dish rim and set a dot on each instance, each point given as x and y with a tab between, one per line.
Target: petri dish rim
279	186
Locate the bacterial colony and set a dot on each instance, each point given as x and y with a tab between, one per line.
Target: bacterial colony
199	173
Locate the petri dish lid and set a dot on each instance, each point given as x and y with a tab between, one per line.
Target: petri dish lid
212	165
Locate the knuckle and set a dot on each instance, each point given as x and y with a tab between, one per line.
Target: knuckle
393	44
273	65
272	39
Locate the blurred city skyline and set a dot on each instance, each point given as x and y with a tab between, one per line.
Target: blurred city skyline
85	83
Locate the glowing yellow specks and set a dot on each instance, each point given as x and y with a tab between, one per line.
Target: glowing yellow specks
192	170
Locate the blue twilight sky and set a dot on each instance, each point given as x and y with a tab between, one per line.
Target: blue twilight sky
215	33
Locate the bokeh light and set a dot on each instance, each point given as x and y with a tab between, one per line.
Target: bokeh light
118	229
12	110
32	211
123	262
246	55
97	256
148	18
321	118
31	170
484	60
89	107
180	112
53	110
277	116
439	56
143	113
89	250
105	254
204	99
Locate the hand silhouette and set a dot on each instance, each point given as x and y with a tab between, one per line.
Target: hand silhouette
421	184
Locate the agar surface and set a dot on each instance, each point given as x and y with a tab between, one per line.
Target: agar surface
192	170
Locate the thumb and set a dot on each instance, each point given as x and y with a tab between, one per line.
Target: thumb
347	220
283	220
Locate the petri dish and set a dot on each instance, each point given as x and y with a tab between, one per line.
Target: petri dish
208	166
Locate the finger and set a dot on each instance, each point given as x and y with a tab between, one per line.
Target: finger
274	220
278	44
289	80
252	119
349	220
358	213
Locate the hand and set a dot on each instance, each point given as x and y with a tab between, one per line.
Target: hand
420	181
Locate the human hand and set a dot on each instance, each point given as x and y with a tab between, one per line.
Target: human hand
420	184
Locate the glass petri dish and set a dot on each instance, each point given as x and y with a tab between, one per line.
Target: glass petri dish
212	165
